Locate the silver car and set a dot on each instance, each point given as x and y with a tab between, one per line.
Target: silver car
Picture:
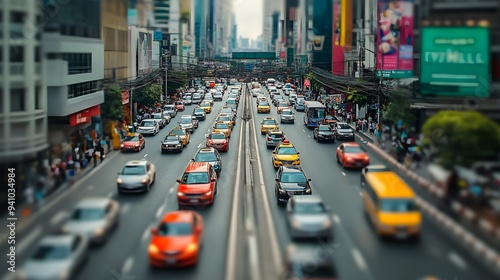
274	138
308	217
187	123
95	218
188	100
56	257
136	176
287	116
170	109
149	127
162	120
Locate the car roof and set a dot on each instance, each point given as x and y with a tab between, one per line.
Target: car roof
95	202
178	216
351	144
197	167
275	132
307	199
58	239
206	150
136	162
302	255
149	120
292	169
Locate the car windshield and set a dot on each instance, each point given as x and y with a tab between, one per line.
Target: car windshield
186	120
175	229
169	108
231	101
324	128
287	112
344	126
268	122
316	113
188	97
293	177
166	114
221	126
283	104
353	150
195	178
156	116
199	110
300	101
197	95
208	97
88	214
179	132
397	205
147	123
134	170
276	135
205	104
205	157
171	138
217	136
263	104
227	111
51	252
287	151
131	139
329	117
224	119
309	208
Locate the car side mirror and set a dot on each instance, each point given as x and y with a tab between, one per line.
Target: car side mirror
276	179
309	180
178	181
119	173
213	180
154	231
274	153
298	153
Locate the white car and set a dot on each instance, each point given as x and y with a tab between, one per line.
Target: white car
188	100
149	127
166	116
287	116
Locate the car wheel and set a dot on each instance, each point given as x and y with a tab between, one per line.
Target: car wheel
314	136
337	156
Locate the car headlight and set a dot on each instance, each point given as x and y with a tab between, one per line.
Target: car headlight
122	145
144	181
178	145
296	223
64	229
308	191
281	191
327	223
99	231
180	194
63	275
119	181
136	145
153	249
192	247
208	193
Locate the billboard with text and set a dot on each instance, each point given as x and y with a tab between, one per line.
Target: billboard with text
395	38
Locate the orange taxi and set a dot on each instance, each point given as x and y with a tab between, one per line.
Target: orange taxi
352	155
198	185
176	240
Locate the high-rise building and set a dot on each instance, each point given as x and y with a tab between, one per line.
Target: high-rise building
141	13
23	93
115	38
322	11
75	52
270	25
162	14
221	29
201	9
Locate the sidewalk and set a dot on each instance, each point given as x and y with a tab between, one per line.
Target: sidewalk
479	234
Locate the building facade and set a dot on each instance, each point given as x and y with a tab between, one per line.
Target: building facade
161	14
115	38
201	9
23	93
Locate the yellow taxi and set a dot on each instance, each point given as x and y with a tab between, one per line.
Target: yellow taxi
263	107
225	119
222	127
390	203
206	106
182	133
285	154
268	124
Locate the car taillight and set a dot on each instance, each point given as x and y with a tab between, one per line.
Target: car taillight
209	142
269	138
282	138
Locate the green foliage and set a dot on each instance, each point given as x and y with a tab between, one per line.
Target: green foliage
177	79
148	95
112	108
462	137
398	108
359	98
185	16
314	82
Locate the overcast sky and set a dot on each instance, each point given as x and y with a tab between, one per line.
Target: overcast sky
249	17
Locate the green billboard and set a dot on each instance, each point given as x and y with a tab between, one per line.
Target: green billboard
455	61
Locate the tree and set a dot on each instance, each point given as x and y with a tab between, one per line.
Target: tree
314	82
149	95
177	79
112	108
359	98
398	108
462	137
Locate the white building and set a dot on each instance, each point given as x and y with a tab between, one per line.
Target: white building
162	14
23	93
269	9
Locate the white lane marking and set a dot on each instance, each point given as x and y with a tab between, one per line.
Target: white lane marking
309	136
336	219
127	266
58	218
146	232
90	187
457	260
199	146
27	240
125	209
343	173
360	194
160	211
145	155
358	258
171	190
303	130
110	194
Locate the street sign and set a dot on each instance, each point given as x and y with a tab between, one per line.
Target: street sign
396	74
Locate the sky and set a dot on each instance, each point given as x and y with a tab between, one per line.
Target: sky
248	17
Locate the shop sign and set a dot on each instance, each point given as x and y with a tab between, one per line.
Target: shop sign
84	116
125	97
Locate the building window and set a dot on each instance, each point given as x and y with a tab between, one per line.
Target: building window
78	63
17	100
1	103
38	100
81	89
16	54
17	17
1	53
38	54
39	126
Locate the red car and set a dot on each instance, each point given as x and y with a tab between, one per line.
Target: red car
179	105
177	240
218	140
134	142
352	155
198	185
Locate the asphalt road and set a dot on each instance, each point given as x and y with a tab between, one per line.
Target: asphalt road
358	252
125	253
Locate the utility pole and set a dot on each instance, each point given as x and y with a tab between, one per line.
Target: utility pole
166	80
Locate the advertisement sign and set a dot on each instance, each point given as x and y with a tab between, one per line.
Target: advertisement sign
395	38
455	61
125	97
336	22
84	116
145	53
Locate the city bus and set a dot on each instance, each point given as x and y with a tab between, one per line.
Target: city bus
314	113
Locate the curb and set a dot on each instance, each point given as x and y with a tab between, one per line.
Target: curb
472	243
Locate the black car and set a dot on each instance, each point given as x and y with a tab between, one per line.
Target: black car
277	99
298	263
200	114
171	143
290	181
324	133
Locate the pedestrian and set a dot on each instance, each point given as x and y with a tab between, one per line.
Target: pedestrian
363	125
370	127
